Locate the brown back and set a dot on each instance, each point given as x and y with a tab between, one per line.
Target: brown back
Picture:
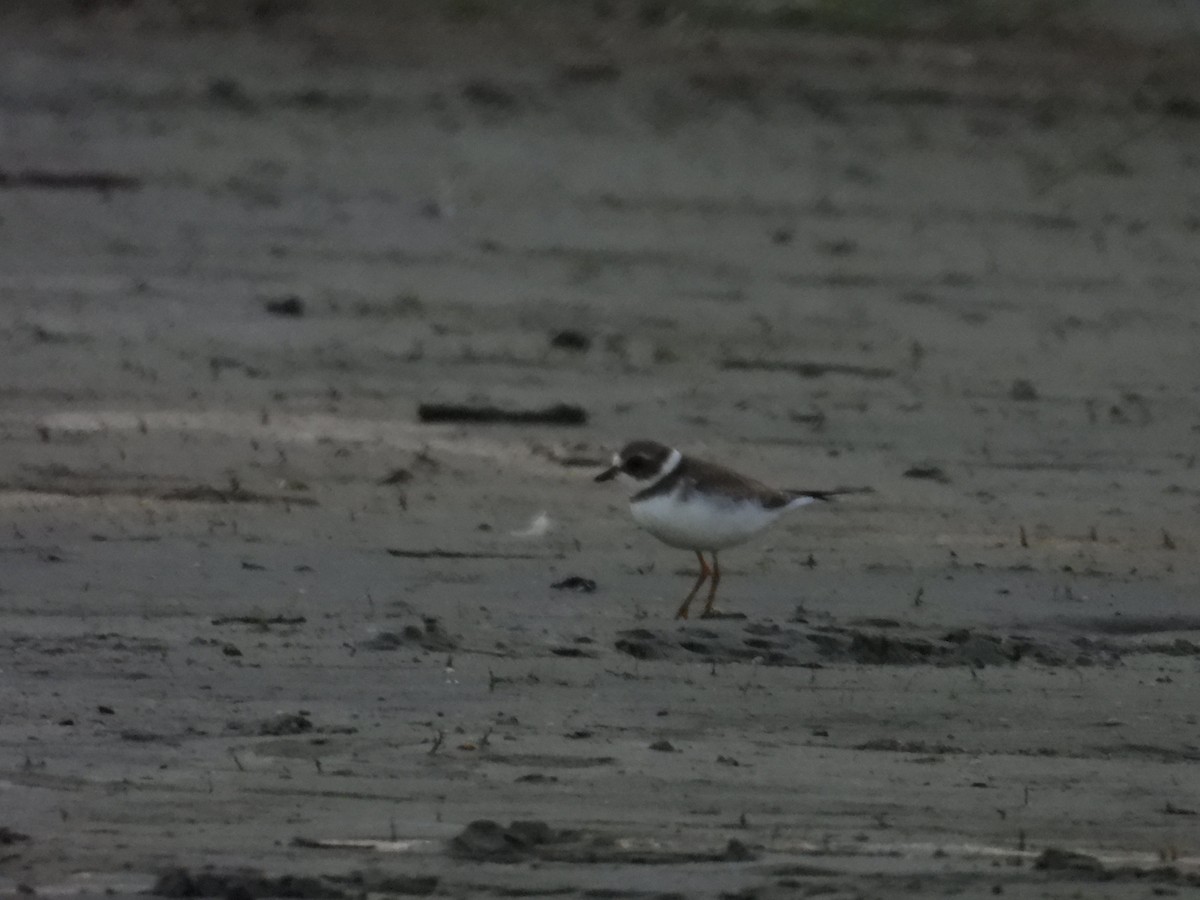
692	473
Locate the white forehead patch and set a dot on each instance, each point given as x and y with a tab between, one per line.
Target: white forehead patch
672	462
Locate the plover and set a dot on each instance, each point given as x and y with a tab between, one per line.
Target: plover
700	506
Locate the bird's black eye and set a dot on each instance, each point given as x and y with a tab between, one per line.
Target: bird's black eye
637	466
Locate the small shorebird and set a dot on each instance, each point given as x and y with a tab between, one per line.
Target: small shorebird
698	506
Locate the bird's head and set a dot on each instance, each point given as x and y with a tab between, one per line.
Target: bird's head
641	463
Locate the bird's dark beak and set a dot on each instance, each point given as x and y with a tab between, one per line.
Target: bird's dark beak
608	474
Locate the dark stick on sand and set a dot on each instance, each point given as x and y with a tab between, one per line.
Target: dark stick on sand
559	414
104	182
806	369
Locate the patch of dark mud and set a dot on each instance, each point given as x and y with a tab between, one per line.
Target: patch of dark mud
873	622
1055	859
487	841
262	623
1131	625
486	92
272	726
1189	753
235	493
572	652
1177	647
241	884
801	870
570	339
589	72
575	583
373	881
694	644
802	645
140	736
87	486
550	760
892	745
1120	636
607	850
1083	865
429	635
290	306
928	472
82	644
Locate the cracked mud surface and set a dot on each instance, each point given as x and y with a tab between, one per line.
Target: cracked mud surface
265	632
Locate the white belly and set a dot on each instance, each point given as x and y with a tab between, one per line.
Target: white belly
700	523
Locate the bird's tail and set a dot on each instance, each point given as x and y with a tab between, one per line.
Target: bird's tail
803	498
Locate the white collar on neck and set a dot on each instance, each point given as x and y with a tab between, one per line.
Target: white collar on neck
671	464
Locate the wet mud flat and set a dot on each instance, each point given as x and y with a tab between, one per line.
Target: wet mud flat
316	322
302	754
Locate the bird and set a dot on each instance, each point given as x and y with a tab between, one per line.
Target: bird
700	506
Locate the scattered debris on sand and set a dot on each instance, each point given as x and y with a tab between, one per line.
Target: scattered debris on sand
429	635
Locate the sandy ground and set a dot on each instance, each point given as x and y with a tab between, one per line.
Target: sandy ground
254	613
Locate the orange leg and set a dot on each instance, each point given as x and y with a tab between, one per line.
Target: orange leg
682	612
712	587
